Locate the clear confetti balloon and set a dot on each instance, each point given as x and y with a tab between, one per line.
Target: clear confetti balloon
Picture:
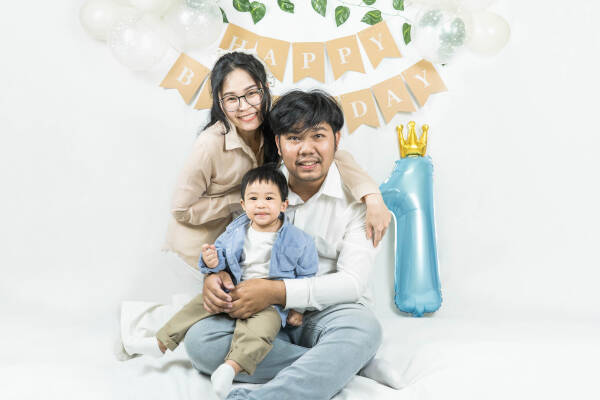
137	43
194	24
157	7
440	32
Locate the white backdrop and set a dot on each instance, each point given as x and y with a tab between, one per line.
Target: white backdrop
90	152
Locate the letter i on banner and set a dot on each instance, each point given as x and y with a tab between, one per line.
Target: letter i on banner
392	97
423	80
238	38
378	43
309	61
186	75
359	108
344	56
275	54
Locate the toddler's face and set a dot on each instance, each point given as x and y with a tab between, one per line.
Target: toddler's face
262	203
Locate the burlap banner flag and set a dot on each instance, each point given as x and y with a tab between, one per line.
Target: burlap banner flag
344	56
275	54
186	75
309	60
237	37
204	99
378	43
359	108
392	97
423	81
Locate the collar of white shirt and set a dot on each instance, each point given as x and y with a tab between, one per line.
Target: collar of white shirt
332	186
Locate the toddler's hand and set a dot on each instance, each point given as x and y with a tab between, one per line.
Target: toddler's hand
209	255
161	346
294	318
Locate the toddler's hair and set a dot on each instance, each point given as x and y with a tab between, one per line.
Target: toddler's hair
266	173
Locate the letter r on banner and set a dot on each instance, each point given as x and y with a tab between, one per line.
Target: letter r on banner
186	75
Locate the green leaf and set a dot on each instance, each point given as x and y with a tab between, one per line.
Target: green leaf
372	17
224	16
369	2
406	33
257	10
398	5
286	5
241	5
320	6
341	14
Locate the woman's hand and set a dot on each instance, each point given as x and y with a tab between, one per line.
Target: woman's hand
254	295
378	217
216	300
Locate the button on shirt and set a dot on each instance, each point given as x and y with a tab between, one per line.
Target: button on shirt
346	257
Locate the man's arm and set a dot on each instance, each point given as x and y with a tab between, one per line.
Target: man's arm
254	295
349	282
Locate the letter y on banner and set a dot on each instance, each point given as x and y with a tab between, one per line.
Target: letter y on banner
423	80
186	75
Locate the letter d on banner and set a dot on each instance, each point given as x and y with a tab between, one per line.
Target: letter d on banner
186	75
359	108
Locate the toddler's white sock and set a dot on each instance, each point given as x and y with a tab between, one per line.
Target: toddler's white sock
222	380
383	372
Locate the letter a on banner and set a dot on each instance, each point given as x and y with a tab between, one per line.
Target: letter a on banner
423	80
344	56
237	37
309	61
378	43
393	97
359	108
186	75
275	54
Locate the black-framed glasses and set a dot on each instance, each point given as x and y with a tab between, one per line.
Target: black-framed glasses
232	102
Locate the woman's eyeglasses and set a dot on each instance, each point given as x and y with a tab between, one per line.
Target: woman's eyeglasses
232	103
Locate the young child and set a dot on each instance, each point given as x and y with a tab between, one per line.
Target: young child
258	244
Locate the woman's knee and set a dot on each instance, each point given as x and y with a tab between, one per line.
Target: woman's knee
207	343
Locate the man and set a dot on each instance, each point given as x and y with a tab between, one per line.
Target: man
336	340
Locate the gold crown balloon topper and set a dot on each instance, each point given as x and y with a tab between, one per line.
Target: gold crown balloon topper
412	147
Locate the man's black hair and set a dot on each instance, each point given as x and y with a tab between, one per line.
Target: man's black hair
266	173
297	111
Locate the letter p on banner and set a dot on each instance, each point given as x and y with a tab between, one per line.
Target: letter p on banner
186	75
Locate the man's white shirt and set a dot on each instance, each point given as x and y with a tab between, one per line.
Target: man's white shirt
346	257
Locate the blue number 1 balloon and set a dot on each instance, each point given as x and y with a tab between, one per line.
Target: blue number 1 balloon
408	193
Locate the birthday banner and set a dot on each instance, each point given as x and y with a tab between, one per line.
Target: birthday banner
308	60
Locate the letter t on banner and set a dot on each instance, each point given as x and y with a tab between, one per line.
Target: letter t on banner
359	108
344	56
378	43
186	75
309	61
423	80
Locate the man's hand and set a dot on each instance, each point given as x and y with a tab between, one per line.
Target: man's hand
254	295
294	318
209	255
216	300
378	217
161	346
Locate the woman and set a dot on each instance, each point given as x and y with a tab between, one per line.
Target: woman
237	139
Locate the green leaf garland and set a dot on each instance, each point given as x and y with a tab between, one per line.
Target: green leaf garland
225	20
406	33
320	6
257	10
341	14
398	5
372	17
286	5
369	2
241	5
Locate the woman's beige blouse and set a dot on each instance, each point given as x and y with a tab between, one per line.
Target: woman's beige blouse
208	189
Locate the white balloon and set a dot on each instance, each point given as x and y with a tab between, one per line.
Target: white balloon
194	25
137	43
489	33
440	32
98	16
157	7
475	5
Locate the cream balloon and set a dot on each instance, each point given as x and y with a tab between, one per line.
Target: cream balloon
137	43
194	25
475	5
488	33
157	7
98	16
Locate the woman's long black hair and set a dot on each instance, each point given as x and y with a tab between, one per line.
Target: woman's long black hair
248	63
